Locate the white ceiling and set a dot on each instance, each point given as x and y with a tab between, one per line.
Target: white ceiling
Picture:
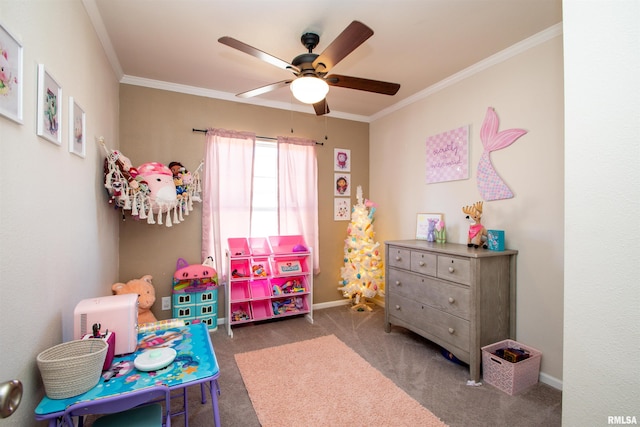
172	44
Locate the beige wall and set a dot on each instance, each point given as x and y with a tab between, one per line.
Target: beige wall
58	239
602	207
526	91
156	125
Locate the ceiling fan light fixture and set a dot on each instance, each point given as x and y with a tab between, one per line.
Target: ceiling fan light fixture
309	90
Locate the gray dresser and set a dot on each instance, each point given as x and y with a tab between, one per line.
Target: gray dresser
457	297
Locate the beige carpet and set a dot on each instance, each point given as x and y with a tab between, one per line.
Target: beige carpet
322	382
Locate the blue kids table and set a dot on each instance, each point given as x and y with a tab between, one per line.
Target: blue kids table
195	363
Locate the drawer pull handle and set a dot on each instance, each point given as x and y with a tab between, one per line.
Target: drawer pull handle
421	263
451	269
451	330
452	300
398	258
398	283
397	307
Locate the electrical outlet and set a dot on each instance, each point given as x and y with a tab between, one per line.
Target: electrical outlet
166	303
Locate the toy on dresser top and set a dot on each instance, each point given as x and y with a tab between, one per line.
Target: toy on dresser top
195	277
477	232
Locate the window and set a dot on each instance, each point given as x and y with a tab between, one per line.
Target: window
264	209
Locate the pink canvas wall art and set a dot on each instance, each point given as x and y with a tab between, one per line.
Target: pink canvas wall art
448	156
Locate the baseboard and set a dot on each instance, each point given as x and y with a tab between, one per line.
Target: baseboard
550	381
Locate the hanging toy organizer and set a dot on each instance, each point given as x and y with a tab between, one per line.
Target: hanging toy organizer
150	191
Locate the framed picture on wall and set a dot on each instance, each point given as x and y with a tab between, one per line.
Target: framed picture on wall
448	156
341	160
10	76
425	225
77	128
342	184
49	107
341	209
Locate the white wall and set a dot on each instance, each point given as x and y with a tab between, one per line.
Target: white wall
602	210
525	87
58	238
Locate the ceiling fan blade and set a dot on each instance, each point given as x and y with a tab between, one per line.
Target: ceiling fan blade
358	83
243	47
353	36
264	89
321	107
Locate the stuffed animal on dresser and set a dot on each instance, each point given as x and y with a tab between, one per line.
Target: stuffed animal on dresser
477	232
146	292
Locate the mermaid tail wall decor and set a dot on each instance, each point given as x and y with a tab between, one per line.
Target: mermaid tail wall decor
490	185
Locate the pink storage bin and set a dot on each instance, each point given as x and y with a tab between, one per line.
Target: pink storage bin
239	291
260	267
259	246
290	305
286	286
238	246
240	312
240	269
260	289
287	266
261	309
286	244
512	378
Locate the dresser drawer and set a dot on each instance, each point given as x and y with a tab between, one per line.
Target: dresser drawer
424	263
455	269
452	299
400	258
447	328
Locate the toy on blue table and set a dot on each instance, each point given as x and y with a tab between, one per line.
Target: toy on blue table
194	277
477	232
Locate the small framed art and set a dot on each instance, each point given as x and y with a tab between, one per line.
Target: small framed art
11	85
341	209
341	160
77	128
49	107
448	156
426	226
342	184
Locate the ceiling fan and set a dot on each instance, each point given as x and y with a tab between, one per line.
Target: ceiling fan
311	68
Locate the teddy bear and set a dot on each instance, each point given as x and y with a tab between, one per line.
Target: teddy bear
146	296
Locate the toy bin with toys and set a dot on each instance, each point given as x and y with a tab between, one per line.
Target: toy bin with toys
510	366
269	278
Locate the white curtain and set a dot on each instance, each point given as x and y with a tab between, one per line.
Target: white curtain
226	208
298	191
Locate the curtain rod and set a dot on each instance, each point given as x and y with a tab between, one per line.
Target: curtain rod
261	137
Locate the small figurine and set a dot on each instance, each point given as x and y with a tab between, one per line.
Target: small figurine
441	232
477	232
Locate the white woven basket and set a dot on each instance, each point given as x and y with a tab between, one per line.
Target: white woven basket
71	368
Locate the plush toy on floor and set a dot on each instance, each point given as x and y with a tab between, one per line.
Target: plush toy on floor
143	287
477	232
